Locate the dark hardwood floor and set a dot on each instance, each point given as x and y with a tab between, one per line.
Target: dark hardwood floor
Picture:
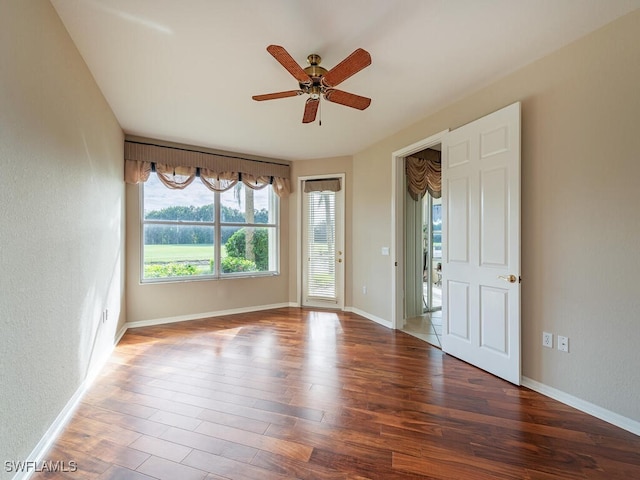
294	393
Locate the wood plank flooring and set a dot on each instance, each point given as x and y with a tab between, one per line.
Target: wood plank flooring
296	393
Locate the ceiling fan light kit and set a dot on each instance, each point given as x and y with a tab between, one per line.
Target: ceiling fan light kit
317	81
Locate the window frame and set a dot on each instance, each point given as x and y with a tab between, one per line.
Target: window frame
217	224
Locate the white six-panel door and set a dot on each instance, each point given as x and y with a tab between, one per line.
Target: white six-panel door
481	243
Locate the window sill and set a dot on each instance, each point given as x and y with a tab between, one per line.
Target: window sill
208	278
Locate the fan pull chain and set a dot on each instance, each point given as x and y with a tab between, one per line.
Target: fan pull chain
320	116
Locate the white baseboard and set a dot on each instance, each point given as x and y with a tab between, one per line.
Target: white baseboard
368	316
120	334
219	313
54	430
200	316
584	406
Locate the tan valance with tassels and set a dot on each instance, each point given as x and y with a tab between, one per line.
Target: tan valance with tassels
423	171
178	167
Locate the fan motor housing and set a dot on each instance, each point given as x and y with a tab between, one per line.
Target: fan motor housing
316	72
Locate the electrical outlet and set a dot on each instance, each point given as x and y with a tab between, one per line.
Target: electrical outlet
547	339
364	289
563	343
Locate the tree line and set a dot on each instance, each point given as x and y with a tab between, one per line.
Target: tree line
190	234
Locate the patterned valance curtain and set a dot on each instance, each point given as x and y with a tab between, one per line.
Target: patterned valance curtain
423	170
178	167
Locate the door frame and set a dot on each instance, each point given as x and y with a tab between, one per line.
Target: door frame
300	213
397	223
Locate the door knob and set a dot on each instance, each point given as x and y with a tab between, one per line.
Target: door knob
508	278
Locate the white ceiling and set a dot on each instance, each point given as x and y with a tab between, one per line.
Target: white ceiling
185	70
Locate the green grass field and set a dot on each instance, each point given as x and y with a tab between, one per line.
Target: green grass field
179	253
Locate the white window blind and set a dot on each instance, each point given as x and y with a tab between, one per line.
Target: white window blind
321	246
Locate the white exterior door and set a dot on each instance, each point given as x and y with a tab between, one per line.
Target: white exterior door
481	243
323	248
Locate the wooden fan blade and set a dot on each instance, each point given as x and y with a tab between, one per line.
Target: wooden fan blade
346	68
310	110
349	99
287	61
273	96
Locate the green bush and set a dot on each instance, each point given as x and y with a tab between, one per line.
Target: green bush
236	247
162	270
237	264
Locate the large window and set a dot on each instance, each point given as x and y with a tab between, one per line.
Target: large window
195	233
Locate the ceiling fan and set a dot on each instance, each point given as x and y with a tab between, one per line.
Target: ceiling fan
316	80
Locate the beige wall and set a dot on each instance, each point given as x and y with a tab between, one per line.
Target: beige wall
580	220
61	224
323	166
183	300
